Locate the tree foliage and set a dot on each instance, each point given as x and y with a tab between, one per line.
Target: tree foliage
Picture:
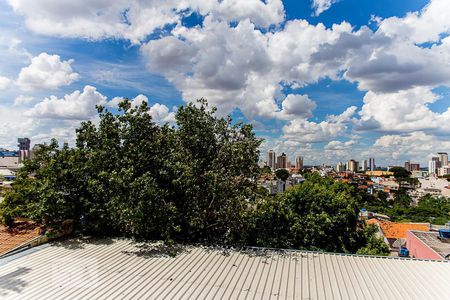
318	214
192	182
400	173
282	174
374	245
128	175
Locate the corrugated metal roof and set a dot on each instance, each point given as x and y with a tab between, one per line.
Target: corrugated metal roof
121	269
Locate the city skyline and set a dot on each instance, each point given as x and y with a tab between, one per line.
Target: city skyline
325	79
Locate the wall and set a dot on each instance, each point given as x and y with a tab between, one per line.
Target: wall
418	249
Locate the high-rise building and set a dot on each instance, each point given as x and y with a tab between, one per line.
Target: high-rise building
443	159
372	166
442	171
271	159
433	165
282	161
364	165
408	165
299	163
352	165
414	167
340	167
24	148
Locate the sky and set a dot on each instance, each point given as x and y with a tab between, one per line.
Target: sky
329	80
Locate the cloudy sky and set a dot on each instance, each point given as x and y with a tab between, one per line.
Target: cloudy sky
327	79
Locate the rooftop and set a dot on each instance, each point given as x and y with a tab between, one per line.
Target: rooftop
397	230
430	238
122	269
21	233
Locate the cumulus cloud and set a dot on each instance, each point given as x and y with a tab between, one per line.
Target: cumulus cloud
417	146
403	111
161	113
79	105
46	71
239	66
376	62
21	100
4	83
338	145
424	26
136	19
302	130
297	106
320	6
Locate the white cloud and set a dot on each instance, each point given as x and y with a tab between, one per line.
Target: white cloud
417	146
338	145
420	27
136	19
22	99
320	6
4	83
160	113
297	106
75	106
302	130
239	66
403	111
46	72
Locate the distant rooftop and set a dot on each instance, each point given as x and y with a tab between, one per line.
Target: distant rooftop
430	238
397	230
122	269
21	233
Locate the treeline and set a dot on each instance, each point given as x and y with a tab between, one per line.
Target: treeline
192	182
429	209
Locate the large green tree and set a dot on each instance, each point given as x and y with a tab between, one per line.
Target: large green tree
319	214
128	175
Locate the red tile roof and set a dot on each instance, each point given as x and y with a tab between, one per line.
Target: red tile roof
396	230
22	232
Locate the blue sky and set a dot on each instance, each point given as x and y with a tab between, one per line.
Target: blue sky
328	80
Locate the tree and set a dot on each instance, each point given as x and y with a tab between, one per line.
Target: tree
282	174
374	245
402	199
266	170
400	173
319	214
191	182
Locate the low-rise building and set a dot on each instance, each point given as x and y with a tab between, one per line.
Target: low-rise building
395	233
426	245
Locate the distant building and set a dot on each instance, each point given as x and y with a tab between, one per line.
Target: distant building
340	167
379	173
426	245
409	166
419	174
443	159
442	171
271	159
372	166
9	159
24	145
364	165
395	233
352	165
299	163
433	165
414	167
282	161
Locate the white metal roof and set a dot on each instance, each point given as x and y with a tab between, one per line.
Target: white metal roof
121	269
